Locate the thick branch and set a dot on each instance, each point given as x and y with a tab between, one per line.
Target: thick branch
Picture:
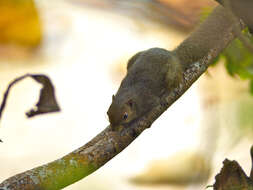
85	160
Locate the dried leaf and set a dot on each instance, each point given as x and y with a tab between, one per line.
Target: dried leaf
232	177
47	102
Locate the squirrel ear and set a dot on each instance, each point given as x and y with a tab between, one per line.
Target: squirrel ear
113	97
130	103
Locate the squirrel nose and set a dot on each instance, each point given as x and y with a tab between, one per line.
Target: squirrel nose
112	121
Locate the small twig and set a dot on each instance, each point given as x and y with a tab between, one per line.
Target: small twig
47	102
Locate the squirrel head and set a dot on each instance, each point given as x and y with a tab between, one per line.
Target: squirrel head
121	112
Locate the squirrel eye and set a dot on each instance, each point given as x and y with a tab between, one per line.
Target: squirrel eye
125	115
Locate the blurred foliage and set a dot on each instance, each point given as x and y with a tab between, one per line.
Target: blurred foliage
245	112
238	59
19	23
183	168
167	12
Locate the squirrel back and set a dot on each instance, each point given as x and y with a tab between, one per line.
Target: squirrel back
150	73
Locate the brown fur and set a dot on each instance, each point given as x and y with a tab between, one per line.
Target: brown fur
150	73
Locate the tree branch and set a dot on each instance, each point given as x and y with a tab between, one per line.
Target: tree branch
197	50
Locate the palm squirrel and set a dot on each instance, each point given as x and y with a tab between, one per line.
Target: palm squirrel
155	71
150	74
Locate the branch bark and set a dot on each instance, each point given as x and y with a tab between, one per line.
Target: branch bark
198	50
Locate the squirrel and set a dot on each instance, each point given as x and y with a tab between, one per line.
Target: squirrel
149	75
153	72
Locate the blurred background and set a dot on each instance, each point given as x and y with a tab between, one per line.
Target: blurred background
83	46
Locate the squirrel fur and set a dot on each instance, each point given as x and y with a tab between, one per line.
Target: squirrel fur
155	71
150	74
